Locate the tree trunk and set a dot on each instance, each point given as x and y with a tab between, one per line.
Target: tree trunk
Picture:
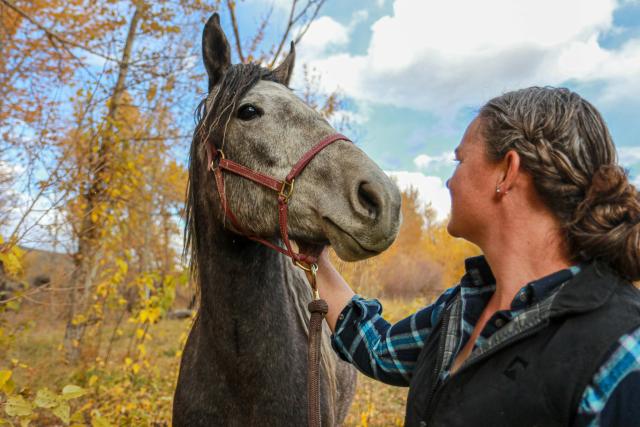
89	246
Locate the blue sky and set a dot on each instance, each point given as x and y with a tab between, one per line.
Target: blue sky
413	73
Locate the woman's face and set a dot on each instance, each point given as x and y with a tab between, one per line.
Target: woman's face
473	188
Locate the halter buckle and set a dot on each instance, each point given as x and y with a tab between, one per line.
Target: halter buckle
287	190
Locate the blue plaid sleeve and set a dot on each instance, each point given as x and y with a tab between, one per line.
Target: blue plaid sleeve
378	349
611	399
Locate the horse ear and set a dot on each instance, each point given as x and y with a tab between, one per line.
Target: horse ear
283	71
216	52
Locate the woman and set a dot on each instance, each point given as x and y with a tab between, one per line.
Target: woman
544	329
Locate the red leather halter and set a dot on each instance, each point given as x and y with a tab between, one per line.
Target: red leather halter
284	188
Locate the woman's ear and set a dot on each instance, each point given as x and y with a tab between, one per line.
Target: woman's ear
216	52
510	171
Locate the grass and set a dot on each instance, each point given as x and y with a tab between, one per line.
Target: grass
130	395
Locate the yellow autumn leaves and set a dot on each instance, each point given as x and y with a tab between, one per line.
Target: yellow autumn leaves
45	399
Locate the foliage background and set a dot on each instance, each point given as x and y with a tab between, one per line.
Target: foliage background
96	110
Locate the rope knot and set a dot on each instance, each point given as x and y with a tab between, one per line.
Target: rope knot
318	306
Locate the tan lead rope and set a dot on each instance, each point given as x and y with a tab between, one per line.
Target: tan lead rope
318	309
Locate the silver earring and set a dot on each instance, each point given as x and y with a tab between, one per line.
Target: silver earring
497	189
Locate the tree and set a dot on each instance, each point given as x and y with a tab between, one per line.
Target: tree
101	152
96	199
447	252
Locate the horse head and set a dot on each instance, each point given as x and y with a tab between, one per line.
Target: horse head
341	198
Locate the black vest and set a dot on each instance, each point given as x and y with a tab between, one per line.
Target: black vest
534	370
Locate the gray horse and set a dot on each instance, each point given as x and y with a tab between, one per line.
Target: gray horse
245	361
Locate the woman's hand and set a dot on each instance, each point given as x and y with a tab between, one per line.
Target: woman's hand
332	288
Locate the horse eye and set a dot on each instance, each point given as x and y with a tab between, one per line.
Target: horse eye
248	112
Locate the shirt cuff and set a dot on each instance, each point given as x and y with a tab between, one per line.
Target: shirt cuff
357	312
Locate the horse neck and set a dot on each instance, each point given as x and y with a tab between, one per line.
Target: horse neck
239	278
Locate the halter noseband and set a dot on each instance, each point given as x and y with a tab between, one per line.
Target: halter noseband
284	188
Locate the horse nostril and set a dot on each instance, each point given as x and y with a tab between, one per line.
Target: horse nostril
369	199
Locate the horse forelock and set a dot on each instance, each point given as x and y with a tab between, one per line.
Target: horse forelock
215	113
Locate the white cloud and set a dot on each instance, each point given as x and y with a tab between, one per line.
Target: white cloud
345	117
30	213
431	190
323	33
621	69
424	161
439	56
36	219
358	16
10	169
95	60
628	156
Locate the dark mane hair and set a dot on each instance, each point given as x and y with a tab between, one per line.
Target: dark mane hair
211	119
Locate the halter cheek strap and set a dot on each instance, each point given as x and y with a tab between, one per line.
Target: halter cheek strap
284	188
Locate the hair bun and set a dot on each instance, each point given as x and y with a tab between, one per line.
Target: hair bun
607	220
611	185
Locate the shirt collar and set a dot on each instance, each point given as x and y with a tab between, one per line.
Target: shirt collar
479	275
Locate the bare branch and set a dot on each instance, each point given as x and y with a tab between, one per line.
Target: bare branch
16	236
303	11
231	5
290	23
259	36
160	138
309	22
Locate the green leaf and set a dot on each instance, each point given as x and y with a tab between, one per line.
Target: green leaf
72	391
98	421
4	377
16	406
13	305
78	418
62	411
8	387
45	398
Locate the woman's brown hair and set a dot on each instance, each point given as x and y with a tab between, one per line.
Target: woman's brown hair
565	145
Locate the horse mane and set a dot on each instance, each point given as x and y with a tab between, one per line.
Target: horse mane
212	118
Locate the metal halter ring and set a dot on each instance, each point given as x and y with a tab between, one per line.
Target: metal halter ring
219	157
311	268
